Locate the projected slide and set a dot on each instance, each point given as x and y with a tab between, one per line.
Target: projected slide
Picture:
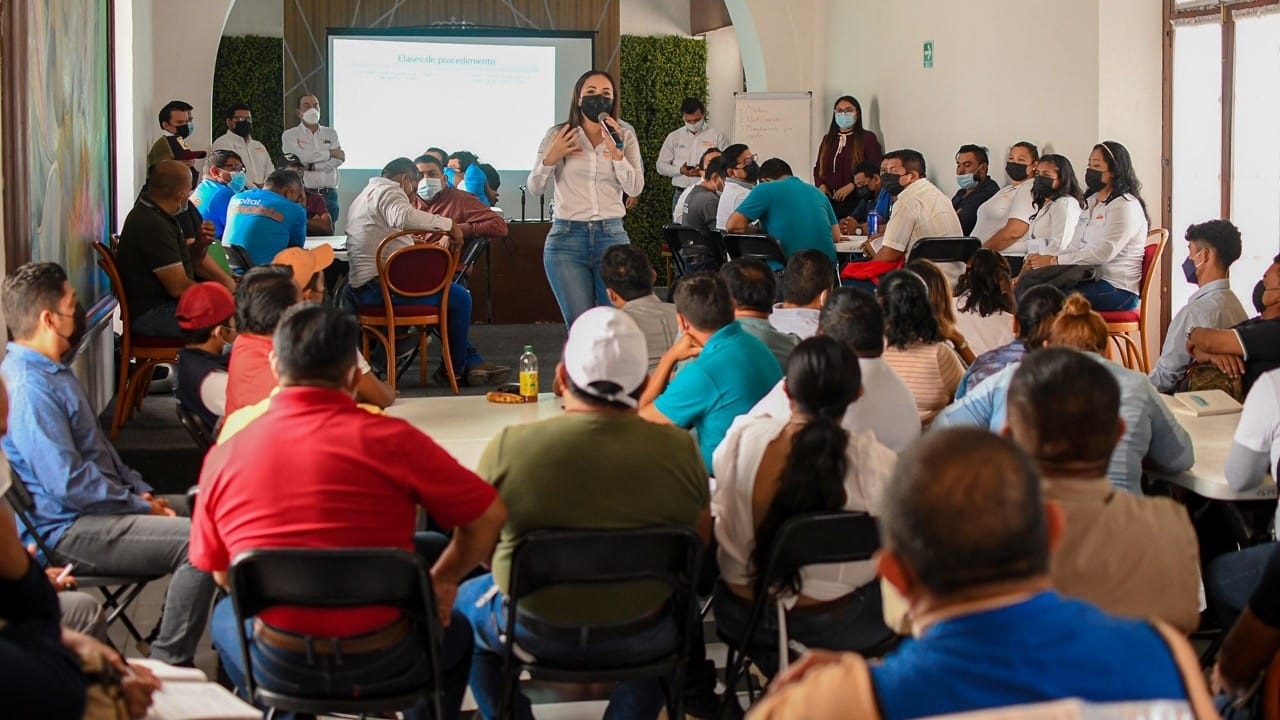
395	98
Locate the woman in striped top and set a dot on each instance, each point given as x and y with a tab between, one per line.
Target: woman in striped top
915	347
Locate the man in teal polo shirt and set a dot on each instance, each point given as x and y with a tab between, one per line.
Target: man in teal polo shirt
730	373
270	219
789	209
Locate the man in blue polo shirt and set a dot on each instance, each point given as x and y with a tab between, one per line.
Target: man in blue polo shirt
730	372
789	209
224	178
268	220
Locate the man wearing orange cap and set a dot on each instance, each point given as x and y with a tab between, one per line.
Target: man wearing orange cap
205	313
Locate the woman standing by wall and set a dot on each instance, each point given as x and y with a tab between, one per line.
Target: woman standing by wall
845	146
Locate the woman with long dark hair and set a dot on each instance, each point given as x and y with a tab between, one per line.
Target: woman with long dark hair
594	160
914	345
1003	220
769	470
1058	200
944	309
1111	233
984	302
845	146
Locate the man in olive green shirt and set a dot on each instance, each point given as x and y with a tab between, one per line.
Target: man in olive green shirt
598	467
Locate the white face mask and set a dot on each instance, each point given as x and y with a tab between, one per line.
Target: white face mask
694	127
311	116
428	188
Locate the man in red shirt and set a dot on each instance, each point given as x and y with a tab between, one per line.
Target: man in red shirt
338	498
262	297
437	196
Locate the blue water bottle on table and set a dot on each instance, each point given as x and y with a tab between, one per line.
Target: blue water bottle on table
873	223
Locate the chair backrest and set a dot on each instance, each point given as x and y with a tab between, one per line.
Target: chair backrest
761	247
238	259
672	239
554	557
196	427
107	261
945	249
416	270
19	498
469	255
821	538
1152	254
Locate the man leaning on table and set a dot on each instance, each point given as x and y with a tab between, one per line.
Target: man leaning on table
1252	347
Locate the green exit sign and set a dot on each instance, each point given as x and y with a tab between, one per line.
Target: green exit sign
928	54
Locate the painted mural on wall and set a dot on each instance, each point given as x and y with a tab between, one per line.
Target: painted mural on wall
68	143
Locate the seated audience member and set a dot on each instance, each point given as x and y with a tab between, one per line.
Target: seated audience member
319	219
790	210
1254	639
336	498
1057	200
89	506
984	302
473	217
492	183
1211	248
771	469
730	372
915	348
602	373
703	201
1152	436
267	220
154	257
976	185
704	164
223	178
1250	348
239	139
753	286
886	406
1031	322
438	153
205	314
742	172
262	298
463	172
805	288
944	306
1005	218
966	537
1111	237
869	197
628	280
383	208
1130	555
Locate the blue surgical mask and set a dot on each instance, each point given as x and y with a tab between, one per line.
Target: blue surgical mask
966	181
845	120
237	181
428	188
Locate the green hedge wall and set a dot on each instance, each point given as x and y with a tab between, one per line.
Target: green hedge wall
250	69
657	73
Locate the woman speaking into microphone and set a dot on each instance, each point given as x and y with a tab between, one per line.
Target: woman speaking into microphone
594	160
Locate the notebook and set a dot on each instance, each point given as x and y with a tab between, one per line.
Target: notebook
1207	402
187	694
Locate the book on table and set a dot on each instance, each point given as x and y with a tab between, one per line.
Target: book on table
1206	402
187	694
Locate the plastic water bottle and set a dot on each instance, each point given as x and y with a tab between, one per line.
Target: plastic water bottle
873	222
529	375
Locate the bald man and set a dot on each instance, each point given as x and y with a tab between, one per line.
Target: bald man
154	256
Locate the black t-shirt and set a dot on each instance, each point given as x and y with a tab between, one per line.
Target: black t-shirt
966	206
1261	342
150	239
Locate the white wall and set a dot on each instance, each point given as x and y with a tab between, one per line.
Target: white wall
724	77
653	17
256	17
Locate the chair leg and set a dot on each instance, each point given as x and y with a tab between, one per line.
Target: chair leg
448	359
122	385
422	356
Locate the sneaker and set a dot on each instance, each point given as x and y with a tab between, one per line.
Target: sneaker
486	373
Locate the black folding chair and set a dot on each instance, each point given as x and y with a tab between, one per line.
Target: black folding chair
761	247
945	249
118	591
692	251
670	555
196	427
263	579
471	253
238	259
809	539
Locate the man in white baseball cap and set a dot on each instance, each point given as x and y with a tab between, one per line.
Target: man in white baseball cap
598	466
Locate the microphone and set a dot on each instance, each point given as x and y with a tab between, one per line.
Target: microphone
523	189
617	138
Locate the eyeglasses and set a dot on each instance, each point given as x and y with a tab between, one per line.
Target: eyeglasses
238	118
748	159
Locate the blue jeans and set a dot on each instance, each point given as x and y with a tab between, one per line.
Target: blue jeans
1102	295
487	611
330	196
571	258
464	354
854	624
1231	579
160	321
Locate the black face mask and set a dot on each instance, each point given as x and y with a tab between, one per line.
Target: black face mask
752	171
1042	186
1260	292
243	128
1017	172
862	193
183	131
891	183
1092	180
591	106
77	333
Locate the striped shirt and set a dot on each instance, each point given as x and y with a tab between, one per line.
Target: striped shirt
932	372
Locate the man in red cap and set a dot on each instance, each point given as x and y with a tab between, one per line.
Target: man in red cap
205	313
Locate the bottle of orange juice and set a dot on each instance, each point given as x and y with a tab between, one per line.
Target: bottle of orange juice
529	375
